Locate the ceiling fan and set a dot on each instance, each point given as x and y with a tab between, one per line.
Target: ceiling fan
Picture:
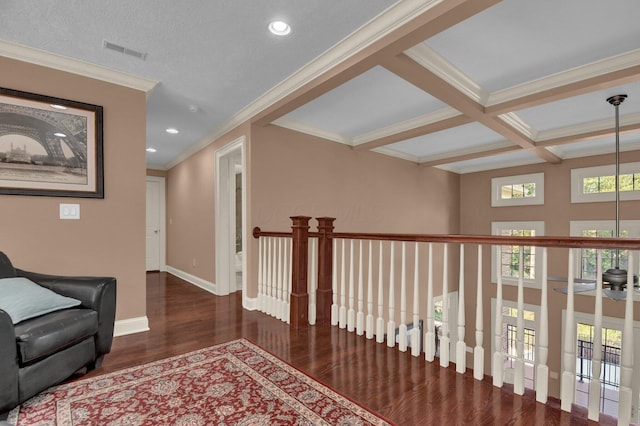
614	279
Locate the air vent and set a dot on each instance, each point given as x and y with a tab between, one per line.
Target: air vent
124	50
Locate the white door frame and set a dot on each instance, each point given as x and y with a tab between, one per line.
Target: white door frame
224	231
163	221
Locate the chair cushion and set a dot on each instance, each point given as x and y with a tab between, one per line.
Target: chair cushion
42	336
23	299
6	268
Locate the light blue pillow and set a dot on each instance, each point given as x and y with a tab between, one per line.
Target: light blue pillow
22	299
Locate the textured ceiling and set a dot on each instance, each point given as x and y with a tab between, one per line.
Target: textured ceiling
440	100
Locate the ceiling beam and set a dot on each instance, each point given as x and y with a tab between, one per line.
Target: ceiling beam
435	17
411	71
469	156
425	129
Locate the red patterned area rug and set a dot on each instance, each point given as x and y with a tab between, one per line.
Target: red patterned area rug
236	383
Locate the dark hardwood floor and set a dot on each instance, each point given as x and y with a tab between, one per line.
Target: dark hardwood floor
404	389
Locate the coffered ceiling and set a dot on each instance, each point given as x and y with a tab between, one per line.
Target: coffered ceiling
461	85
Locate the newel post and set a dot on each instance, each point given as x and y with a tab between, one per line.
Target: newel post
299	302
325	270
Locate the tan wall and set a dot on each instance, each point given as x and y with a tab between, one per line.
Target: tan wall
298	174
191	210
109	238
476	217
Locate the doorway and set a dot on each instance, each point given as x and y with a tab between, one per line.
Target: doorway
155	224
230	218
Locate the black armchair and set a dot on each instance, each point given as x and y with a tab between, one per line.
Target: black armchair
40	352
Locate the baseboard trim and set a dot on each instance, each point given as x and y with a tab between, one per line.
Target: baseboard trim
249	303
192	279
130	326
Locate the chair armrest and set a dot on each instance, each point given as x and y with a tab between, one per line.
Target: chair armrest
97	293
9	394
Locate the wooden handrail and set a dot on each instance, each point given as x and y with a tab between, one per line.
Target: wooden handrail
257	233
544	241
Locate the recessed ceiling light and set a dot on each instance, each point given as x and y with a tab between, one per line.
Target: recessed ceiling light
280	28
151	150
60	135
58	106
172	131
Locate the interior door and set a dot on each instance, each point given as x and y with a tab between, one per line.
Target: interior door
153	226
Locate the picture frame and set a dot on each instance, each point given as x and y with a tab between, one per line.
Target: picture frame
50	146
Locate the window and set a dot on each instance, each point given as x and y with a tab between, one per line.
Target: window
586	268
609	368
597	184
509	339
521	190
510	254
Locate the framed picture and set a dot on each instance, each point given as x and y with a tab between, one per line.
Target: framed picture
50	146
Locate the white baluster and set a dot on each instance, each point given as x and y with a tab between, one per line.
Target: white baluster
415	331
430	335
391	323
342	323
402	329
625	401
270	276
595	385
285	305
261	274
360	313
444	340
274	285
369	319
334	285
568	382
478	351
461	347
518	380
380	320
351	313
279	282
313	279
498	356
542	369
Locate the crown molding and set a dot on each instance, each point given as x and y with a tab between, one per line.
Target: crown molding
377	28
586	128
64	63
301	127
513	120
437	64
597	151
406	125
468	151
396	154
604	66
485	167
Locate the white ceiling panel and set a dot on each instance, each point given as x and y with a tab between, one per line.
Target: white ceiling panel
516	41
582	109
368	102
461	138
599	146
511	159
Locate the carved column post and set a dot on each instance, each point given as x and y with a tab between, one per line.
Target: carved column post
325	270
299	299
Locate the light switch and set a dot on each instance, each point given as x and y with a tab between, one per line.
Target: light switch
69	211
